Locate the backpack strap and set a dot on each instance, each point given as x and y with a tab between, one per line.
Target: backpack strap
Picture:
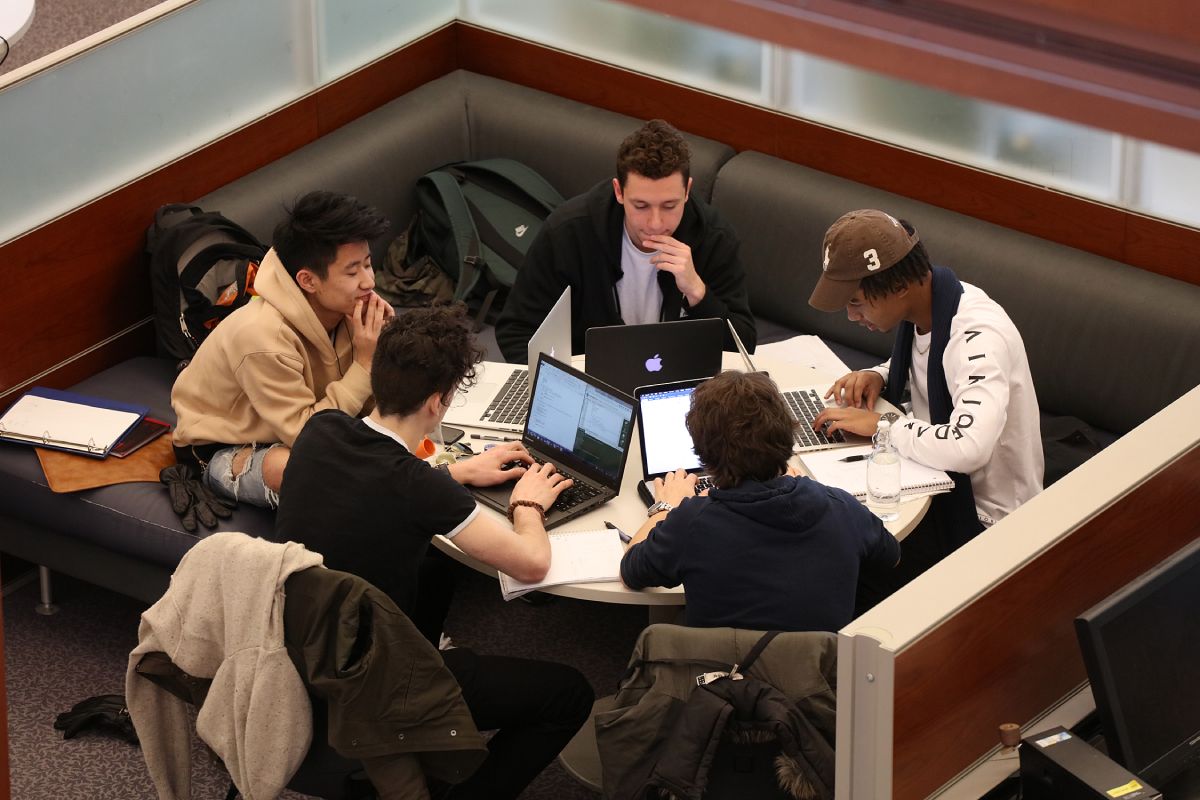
739	670
528	181
755	652
466	238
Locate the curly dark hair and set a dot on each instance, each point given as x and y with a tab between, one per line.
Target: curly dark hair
741	428
420	352
913	268
655	151
318	224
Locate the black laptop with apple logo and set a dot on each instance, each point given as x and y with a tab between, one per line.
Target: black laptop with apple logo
629	356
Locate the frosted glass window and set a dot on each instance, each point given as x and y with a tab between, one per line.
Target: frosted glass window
92	123
1167	182
1001	138
640	40
353	33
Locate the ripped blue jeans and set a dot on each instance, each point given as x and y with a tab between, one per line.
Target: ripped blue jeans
247	486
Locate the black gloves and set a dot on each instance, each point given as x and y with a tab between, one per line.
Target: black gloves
106	713
192	500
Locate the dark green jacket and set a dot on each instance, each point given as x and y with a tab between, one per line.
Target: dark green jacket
662	730
392	702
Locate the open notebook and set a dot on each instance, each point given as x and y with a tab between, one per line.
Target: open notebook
68	421
828	467
575	557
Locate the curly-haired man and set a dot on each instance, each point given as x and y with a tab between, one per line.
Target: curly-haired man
764	549
640	249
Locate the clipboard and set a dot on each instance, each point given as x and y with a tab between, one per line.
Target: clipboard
68	421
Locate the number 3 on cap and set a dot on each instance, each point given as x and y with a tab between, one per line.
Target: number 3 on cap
872	258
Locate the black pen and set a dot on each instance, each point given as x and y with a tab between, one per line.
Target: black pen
625	537
488	438
859	457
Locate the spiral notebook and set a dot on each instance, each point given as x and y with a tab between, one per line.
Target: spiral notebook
831	468
575	557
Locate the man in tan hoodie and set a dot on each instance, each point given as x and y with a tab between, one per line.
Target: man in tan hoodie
304	344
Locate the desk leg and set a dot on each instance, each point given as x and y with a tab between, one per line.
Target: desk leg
670	615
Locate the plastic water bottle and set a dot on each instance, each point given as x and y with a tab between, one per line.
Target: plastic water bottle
883	475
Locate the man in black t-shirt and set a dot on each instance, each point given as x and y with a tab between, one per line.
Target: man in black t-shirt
355	492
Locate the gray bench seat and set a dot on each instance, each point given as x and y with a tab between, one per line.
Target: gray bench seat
124	537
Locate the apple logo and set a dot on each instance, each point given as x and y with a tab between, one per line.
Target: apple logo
654	364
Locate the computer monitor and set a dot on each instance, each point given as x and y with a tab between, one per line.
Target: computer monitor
1141	648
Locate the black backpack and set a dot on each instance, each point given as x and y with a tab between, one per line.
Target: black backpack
202	268
475	221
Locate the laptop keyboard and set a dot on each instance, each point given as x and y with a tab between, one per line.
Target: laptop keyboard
703	482
578	493
805	406
511	403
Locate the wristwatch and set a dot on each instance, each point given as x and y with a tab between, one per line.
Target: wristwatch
661	505
890	416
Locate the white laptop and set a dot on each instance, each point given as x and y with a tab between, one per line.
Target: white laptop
500	399
805	403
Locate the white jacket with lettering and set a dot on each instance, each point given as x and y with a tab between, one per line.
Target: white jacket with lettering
994	433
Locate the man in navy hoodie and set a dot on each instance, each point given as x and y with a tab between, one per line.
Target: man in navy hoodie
764	549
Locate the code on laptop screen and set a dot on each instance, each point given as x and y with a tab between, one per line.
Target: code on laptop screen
580	421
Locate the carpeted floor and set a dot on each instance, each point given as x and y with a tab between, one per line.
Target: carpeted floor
53	662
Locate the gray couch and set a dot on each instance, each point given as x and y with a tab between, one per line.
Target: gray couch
1108	344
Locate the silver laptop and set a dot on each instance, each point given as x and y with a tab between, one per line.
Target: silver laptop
805	403
629	356
662	429
582	426
500	400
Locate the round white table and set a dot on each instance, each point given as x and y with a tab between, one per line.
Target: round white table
15	18
628	511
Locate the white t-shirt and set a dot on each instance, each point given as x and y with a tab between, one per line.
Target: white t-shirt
638	291
994	433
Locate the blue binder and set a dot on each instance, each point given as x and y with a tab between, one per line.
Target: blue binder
68	421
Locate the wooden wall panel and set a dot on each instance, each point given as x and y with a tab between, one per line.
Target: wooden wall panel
1013	650
1150	244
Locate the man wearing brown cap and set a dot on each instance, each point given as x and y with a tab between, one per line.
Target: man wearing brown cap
974	410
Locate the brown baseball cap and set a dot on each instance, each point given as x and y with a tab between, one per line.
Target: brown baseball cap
859	244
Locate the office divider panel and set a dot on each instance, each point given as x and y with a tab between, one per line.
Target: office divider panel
986	636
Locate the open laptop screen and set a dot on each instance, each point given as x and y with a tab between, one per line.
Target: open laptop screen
666	443
579	422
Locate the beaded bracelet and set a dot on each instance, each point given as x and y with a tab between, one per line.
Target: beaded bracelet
530	503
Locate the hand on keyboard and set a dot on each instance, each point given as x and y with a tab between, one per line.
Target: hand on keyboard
675	488
542	484
854	420
857	389
504	462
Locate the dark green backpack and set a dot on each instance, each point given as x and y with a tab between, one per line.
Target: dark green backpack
475	221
